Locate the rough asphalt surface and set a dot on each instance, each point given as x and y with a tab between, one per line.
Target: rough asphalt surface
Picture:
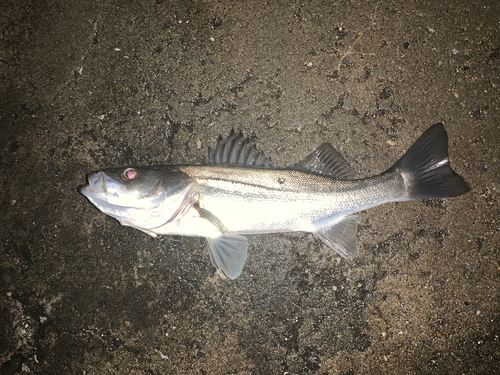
89	85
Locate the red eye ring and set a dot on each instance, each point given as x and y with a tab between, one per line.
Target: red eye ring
130	173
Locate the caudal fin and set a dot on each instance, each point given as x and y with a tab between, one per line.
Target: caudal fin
426	168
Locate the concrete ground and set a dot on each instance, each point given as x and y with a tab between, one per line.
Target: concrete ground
87	85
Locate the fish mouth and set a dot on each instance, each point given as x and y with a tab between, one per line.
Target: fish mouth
96	191
96	185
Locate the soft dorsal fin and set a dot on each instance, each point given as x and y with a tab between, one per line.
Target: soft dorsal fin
325	160
237	150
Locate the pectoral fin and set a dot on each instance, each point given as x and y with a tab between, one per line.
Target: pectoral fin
207	215
227	252
341	236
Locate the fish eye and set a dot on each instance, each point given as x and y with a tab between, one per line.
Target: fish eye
130	173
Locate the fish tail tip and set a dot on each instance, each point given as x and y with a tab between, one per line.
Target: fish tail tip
426	168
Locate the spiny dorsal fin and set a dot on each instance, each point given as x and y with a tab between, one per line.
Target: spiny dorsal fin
237	150
326	161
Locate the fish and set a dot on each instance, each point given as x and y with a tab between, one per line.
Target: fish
238	191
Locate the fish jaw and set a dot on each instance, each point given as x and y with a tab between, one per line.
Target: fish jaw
97	193
95	187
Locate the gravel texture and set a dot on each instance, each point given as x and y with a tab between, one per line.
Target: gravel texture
86	85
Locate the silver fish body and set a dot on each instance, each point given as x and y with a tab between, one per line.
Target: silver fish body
238	193
252	201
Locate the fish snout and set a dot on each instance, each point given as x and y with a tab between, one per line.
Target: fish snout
96	184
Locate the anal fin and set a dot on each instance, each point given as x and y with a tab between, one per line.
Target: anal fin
341	236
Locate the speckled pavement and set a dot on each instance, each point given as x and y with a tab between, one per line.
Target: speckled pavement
90	85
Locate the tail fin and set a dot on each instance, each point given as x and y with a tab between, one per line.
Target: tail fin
426	168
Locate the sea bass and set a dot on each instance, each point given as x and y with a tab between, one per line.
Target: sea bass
239	192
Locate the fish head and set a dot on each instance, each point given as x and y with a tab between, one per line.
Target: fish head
141	197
